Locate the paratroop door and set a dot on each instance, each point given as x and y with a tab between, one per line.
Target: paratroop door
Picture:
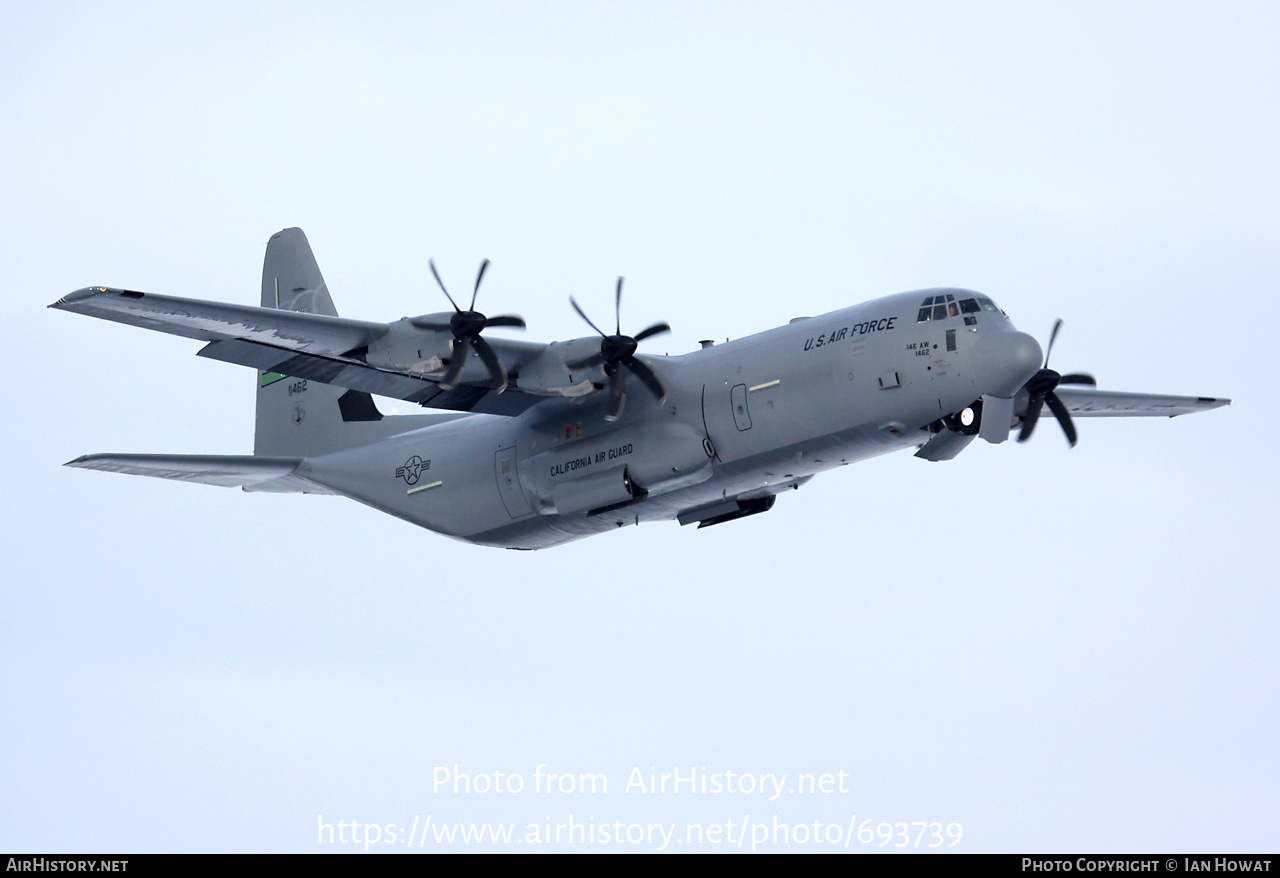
504	464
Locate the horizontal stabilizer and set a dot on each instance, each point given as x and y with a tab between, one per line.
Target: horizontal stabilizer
274	474
1090	403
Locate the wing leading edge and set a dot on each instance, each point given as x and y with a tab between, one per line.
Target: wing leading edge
297	344
212	321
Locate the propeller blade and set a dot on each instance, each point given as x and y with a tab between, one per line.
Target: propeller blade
484	266
594	360
617	353
1029	419
1057	324
432	263
505	320
583	315
1064	417
649	332
456	362
646	376
617	308
1040	389
616	395
490	359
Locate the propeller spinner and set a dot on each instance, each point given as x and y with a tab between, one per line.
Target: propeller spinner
617	352
1040	392
466	327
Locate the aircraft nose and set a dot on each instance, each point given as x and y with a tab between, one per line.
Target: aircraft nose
1004	361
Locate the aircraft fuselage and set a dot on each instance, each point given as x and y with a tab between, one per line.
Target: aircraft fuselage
742	422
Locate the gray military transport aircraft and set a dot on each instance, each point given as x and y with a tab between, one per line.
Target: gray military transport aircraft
539	444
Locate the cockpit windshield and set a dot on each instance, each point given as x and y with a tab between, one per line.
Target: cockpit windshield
945	306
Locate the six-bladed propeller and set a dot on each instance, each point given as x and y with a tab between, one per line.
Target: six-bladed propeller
1040	392
617	352
466	327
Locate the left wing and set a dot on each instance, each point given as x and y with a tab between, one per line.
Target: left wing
1090	403
319	347
273	474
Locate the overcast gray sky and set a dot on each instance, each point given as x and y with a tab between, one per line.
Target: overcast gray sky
1057	649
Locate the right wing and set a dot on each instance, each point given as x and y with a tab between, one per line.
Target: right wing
1090	403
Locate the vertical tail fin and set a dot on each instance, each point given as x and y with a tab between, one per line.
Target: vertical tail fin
297	418
291	280
300	418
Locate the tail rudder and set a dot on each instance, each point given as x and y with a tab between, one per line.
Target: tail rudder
296	417
291	279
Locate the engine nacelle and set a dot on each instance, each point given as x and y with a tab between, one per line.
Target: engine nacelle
406	347
550	374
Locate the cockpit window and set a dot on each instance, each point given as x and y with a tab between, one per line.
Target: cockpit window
945	306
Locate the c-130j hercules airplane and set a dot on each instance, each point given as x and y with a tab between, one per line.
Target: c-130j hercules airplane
540	444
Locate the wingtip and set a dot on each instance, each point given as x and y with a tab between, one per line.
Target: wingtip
63	301
78	296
